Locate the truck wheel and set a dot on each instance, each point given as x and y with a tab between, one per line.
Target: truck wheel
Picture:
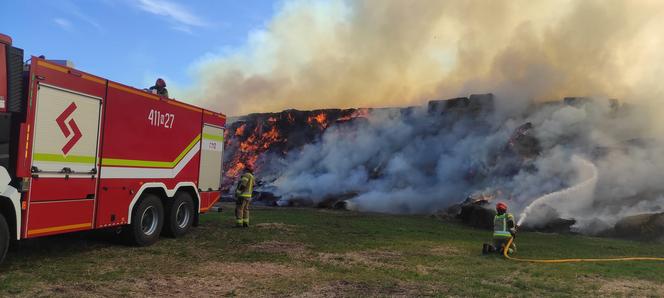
147	219
179	215
4	238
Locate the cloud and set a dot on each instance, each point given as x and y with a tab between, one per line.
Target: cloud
174	12
184	29
73	9
63	23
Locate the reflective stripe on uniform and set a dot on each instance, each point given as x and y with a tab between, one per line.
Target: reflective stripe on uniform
500	226
248	180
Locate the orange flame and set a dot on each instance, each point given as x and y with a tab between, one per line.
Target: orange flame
248	145
240	130
363	112
321	119
235	170
270	137
256	143
359	113
251	160
265	136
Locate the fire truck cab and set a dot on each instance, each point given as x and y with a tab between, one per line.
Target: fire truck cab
80	152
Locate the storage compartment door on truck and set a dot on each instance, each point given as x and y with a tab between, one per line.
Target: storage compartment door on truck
66	134
64	161
211	158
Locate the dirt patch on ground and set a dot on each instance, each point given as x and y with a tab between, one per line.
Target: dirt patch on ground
88	289
372	258
172	286
209	280
249	270
340	288
445	250
276	226
290	248
626	287
345	288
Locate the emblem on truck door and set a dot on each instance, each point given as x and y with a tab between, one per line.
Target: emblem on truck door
69	128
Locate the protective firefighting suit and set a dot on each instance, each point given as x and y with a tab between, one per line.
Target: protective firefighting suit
503	230
163	92
243	192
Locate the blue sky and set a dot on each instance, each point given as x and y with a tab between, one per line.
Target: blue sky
133	41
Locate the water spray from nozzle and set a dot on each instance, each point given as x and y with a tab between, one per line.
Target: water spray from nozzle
585	169
522	217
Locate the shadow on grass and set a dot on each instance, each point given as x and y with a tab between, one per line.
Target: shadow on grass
64	245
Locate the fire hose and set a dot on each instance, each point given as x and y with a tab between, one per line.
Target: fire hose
509	243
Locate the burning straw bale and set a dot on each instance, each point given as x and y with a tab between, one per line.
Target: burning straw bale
643	227
418	159
336	201
474	104
523	142
474	211
250	137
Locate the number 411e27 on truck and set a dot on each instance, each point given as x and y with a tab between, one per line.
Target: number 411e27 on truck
80	152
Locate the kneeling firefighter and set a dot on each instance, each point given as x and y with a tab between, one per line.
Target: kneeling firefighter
243	193
503	229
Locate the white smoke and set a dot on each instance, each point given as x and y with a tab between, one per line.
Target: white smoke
415	169
376	53
411	161
570	202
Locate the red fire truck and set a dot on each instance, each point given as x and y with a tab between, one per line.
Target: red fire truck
80	152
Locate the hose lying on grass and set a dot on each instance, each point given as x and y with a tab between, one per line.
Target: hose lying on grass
506	255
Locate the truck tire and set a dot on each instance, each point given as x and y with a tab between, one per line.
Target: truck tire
147	220
179	215
4	238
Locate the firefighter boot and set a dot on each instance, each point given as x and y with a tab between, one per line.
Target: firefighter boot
491	248
239	223
245	223
485	249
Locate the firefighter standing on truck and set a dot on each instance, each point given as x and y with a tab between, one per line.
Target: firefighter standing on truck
503	229
159	88
243	192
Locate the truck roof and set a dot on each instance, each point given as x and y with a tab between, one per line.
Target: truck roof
126	88
6	39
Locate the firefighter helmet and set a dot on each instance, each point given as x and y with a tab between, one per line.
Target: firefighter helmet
501	207
160	83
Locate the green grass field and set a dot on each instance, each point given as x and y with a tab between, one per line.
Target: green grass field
313	252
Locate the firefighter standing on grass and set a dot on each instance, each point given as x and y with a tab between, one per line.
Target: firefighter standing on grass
503	229
243	192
